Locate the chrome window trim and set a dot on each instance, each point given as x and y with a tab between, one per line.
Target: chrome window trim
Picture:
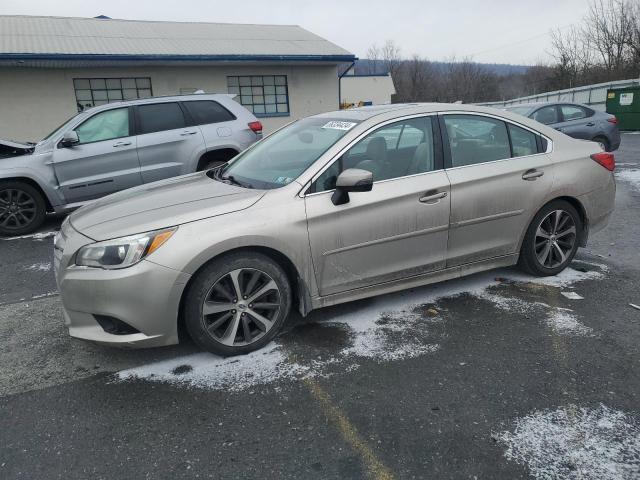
549	149
371	129
505	120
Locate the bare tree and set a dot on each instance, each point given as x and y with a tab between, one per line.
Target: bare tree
373	55
607	28
390	53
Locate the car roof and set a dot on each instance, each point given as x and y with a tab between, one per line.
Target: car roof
165	98
544	104
361	114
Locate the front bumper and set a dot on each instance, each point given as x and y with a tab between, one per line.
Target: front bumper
145	296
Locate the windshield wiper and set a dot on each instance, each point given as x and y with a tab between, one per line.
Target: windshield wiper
232	180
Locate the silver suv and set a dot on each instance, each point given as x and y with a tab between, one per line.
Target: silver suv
117	146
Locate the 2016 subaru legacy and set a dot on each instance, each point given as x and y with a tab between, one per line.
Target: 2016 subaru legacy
332	208
575	120
116	146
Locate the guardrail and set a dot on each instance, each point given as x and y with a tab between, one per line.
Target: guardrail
593	95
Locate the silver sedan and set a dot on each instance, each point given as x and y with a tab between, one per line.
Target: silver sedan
332	208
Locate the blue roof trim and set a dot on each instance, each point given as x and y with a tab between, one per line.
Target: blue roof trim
183	58
367	75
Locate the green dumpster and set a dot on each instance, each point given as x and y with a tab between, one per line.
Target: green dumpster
624	103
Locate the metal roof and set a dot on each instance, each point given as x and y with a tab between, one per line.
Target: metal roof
27	38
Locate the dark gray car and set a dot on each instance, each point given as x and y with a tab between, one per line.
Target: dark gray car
575	120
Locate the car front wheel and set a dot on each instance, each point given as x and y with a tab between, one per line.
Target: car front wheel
237	303
22	208
551	240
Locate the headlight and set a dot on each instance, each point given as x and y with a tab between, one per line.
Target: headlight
122	252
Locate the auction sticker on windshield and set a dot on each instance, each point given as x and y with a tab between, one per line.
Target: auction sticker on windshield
339	125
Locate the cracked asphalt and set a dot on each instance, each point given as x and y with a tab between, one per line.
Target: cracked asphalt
429	383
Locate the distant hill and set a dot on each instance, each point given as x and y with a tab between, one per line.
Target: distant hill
363	67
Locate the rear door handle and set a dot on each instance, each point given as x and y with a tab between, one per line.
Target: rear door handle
121	144
187	132
532	175
433	198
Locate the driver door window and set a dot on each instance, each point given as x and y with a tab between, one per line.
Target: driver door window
105	126
396	150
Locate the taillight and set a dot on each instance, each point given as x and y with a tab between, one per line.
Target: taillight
613	120
256	127
606	159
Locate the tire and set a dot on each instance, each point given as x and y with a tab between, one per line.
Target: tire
215	285
22	208
559	241
604	142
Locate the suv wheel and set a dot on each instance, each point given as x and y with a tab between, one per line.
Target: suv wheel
237	303
551	240
22	208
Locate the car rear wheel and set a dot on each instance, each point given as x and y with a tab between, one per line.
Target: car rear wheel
603	142
22	208
551	240
237	303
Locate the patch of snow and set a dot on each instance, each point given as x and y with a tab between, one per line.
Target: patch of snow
43	295
210	371
566	278
631	176
33	236
39	267
565	323
573	443
572	295
385	328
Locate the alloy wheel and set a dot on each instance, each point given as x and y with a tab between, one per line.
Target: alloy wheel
241	307
17	208
555	238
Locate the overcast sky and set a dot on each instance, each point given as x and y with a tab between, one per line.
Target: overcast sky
500	31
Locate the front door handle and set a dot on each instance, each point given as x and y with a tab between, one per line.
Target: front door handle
433	198
531	175
121	144
187	132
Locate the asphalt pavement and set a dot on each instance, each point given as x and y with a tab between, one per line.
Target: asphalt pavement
495	376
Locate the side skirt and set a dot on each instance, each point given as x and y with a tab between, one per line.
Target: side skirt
417	281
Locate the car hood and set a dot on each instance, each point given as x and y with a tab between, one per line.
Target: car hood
14	144
10	148
159	205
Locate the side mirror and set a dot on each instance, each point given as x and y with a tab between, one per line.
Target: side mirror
69	139
351	180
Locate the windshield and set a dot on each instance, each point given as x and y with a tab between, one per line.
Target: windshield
60	127
280	158
519	110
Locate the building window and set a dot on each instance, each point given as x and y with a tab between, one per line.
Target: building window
98	91
264	95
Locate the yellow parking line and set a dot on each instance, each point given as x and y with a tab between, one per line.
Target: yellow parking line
377	470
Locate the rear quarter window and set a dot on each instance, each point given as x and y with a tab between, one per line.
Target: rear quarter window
208	111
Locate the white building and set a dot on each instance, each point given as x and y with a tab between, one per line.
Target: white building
52	67
366	89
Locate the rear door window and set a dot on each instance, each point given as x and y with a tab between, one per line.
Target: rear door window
546	115
204	112
572	112
158	117
476	139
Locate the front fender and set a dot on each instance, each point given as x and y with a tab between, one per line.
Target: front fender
46	183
